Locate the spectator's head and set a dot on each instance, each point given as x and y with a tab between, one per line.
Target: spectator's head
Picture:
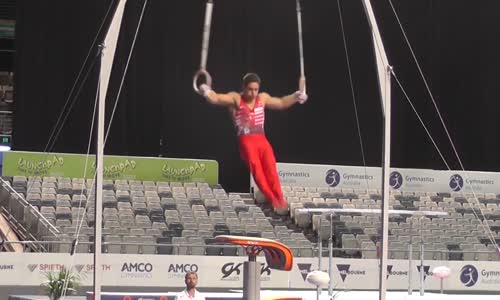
191	280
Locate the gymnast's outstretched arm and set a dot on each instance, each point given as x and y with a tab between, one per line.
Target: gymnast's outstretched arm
283	102
230	99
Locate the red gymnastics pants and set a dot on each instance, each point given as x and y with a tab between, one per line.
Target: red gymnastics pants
259	156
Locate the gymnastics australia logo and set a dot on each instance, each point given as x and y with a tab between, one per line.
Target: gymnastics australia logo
469	275
456	182
332	177
395	180
39	167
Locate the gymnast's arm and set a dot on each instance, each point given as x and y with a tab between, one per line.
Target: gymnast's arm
230	99
279	103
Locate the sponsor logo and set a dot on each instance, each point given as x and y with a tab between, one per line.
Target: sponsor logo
345	270
39	167
332	177
86	268
51	267
469	275
291	177
480	181
232	272
350	177
426	271
490	277
182	174
389	269
304	270
6	267
89	268
456	182
391	272
230	268
79	268
180	270
118	169
32	267
395	180
419	179
137	270
286	174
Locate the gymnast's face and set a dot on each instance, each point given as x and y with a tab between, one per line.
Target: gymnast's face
250	91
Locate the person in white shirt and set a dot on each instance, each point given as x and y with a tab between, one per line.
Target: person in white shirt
190	293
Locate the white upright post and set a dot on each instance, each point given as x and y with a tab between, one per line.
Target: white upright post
98	196
320	256
410	258
422	271
384	78
385	188
330	257
107	53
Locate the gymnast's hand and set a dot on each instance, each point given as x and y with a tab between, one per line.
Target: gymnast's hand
300	97
205	90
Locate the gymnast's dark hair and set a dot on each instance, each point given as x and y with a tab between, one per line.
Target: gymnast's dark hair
249	78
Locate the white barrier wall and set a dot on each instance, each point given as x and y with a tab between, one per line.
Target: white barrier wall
227	272
351	177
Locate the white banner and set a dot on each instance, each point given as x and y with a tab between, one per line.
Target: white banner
136	270
411	180
363	274
168	271
328	176
444	181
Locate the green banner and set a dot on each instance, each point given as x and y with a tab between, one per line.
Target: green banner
17	163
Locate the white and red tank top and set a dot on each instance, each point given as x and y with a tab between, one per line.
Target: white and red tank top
248	120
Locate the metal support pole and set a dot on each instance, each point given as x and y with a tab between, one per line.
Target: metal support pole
410	259
330	257
422	271
99	169
386	96
320	256
251	279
